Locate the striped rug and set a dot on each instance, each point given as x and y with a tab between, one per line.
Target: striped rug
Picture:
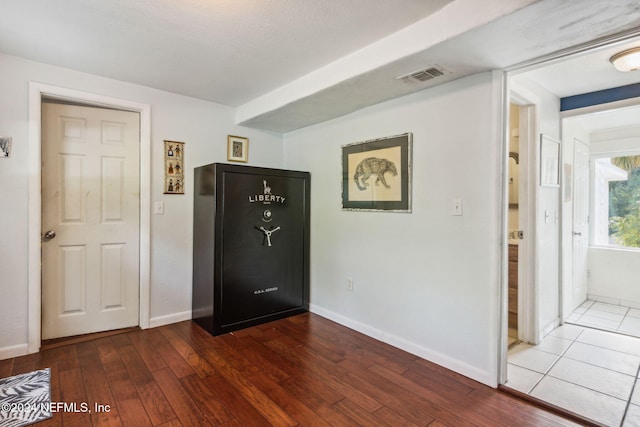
25	398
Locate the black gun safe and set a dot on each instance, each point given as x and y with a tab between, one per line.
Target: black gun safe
250	246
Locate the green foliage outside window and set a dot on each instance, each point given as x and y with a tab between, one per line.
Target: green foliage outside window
624	204
627	229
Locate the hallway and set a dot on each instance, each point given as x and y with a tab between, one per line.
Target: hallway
608	317
590	372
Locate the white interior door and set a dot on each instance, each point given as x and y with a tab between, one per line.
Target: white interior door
90	200
580	227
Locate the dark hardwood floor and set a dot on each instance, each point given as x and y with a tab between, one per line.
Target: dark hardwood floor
304	370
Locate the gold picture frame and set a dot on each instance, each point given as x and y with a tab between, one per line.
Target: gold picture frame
173	167
237	149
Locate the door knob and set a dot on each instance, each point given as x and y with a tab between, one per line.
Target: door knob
577	233
48	235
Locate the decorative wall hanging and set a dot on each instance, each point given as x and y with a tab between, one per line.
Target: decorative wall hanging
237	149
173	167
376	174
5	146
549	161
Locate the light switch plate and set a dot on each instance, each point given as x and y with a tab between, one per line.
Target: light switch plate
158	208
456	207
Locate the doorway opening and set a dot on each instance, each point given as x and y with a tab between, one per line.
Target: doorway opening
37	92
601	292
514	229
522	298
583	369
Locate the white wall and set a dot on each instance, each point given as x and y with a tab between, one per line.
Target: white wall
613	272
614	276
547	229
204	127
424	281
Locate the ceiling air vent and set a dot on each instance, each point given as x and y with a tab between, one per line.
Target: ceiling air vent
424	75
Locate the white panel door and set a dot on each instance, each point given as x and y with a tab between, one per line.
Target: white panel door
90	200
580	221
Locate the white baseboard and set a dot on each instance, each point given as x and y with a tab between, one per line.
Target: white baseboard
549	328
408	346
14	351
168	319
23	349
614	301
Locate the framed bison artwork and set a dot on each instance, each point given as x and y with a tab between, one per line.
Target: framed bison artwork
376	174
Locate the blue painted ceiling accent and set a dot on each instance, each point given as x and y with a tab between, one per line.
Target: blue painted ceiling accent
600	97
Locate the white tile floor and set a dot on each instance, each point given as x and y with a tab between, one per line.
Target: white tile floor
590	372
607	317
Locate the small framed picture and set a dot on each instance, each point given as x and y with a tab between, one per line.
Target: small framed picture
5	146
237	149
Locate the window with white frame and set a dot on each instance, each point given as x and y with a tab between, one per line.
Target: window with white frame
616	216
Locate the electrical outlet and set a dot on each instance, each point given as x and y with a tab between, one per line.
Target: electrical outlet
349	286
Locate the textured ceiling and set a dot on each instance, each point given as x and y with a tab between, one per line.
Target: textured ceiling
589	72
585	72
287	64
538	29
226	51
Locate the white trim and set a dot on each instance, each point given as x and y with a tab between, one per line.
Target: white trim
169	319
612	153
500	311
613	301
527	249
13	351
36	92
34	297
547	329
438	358
573	51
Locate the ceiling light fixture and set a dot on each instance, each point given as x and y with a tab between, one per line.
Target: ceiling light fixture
627	60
